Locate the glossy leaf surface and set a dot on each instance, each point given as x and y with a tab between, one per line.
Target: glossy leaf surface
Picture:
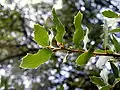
59	27
41	35
84	57
35	60
78	34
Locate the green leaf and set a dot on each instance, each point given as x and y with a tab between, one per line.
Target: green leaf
84	57
97	80
115	70
107	87
105	29
103	51
41	35
59	27
110	14
35	60
114	30
116	44
78	34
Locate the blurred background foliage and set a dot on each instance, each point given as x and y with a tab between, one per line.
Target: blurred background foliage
17	18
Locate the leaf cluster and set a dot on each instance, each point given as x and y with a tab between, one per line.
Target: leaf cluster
42	37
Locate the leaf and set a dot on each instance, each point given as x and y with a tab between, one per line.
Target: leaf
110	14
35	60
105	29
84	57
97	80
59	27
41	35
65	58
116	44
115	70
51	36
107	87
78	34
103	51
86	39
114	30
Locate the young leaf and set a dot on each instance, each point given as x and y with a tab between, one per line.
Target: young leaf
97	80
116	44
110	14
114	30
35	60
84	57
41	35
78	34
86	39
59	27
65	58
115	70
51	36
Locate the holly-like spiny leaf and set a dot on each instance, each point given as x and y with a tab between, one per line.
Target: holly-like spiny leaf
41	35
35	60
84	57
78	34
59	27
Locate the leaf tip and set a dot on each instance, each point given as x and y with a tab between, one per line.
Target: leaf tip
110	14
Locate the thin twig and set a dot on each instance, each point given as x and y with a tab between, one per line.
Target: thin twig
82	51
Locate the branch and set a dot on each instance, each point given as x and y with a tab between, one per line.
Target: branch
82	51
59	49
